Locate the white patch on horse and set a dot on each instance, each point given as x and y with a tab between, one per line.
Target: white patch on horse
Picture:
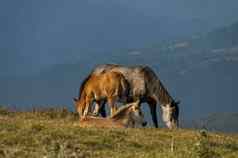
167	110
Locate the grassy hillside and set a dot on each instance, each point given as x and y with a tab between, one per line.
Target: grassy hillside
56	133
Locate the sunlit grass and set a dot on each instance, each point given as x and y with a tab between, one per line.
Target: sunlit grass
56	133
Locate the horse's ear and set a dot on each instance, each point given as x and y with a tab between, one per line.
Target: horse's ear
137	103
177	102
75	99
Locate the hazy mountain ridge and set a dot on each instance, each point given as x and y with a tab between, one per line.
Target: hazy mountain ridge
220	45
225	122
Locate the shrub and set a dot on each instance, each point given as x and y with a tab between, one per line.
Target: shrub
203	148
4	110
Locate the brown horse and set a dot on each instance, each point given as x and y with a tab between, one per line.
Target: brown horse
146	86
108	86
128	116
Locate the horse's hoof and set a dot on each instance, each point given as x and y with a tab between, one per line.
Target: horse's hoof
144	124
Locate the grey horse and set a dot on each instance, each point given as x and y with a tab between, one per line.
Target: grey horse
146	87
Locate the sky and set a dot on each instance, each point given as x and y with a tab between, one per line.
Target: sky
36	34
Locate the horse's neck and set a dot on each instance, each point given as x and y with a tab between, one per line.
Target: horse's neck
82	97
122	118
161	93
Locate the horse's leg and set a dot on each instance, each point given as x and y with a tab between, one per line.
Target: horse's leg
97	107
102	109
135	99
129	100
111	102
152	104
87	106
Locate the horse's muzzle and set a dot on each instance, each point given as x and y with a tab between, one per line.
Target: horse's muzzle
172	124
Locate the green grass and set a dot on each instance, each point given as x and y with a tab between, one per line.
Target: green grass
55	133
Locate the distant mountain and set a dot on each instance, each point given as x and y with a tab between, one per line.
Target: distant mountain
225	37
200	71
225	122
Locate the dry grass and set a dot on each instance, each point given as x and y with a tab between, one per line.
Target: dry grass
55	133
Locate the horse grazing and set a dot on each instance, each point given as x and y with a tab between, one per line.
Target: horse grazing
108	86
128	116
146	86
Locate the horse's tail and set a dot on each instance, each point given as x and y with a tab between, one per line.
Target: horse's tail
82	86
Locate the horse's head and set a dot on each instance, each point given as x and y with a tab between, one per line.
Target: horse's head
130	115
171	114
79	106
137	115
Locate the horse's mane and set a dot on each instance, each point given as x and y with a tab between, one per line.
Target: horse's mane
163	94
121	112
83	85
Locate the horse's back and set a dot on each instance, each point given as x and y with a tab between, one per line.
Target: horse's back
141	78
99	69
114	83
129	72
